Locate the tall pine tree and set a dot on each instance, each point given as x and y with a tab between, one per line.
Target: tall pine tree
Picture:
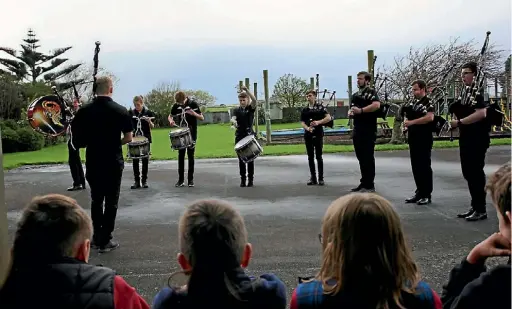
30	64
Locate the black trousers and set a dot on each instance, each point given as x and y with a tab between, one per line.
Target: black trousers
364	146
105	186
246	169
136	169
75	166
181	163
314	149
472	161
420	150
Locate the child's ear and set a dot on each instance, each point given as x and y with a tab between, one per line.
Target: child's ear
246	256
182	260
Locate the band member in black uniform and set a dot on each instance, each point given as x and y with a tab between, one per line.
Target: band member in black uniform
190	108
419	115
312	118
97	126
74	161
365	103
144	115
474	140
244	118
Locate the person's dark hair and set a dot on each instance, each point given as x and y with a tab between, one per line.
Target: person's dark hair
49	228
212	236
473	66
421	84
313	92
367	76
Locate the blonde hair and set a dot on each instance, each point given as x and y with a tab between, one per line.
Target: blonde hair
498	186
103	85
138	98
364	247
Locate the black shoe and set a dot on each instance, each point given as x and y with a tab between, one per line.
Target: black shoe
111	245
76	188
145	185
357	189
321	182
250	183
190	183
424	201
475	216
136	185
180	183
312	182
243	183
412	199
466	214
368	190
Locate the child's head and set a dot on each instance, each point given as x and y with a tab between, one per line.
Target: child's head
364	247
51	227
212	238
498	186
243	99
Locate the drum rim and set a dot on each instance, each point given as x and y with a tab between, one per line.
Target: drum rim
249	139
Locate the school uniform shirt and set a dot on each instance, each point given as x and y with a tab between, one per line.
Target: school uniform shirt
313	113
178	110
244	120
145	128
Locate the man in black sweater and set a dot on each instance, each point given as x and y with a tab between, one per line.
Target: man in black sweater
97	126
470	285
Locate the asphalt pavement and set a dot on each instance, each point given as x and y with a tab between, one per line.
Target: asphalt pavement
282	214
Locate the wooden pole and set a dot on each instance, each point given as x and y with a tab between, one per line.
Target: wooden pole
312	82
256	118
247	83
5	255
267	106
370	65
240	84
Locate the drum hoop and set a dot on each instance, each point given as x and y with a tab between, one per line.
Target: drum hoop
179	132
248	139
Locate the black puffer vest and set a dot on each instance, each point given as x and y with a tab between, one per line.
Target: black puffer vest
66	283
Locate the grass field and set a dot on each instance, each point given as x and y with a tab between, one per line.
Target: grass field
214	141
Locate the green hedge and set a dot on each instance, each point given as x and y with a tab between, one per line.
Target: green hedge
19	136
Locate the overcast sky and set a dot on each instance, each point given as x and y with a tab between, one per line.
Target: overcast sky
210	45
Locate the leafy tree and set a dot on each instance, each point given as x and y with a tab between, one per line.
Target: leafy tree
29	63
290	90
202	97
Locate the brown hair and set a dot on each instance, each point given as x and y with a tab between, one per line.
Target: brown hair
364	249
138	98
313	92
243	95
367	76
421	83
212	236
180	97
49	228
498	186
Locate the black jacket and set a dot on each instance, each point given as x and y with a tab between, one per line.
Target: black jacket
472	286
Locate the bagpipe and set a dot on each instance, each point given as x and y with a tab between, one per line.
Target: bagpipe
319	101
51	115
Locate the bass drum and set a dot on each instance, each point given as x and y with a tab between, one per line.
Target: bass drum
47	116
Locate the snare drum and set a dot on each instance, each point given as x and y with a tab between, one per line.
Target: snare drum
248	149
181	138
138	148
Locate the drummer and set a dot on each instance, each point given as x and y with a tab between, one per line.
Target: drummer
145	116
243	118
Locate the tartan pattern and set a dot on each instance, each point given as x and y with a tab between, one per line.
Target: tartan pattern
310	295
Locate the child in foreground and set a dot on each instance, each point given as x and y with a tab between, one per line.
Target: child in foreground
214	253
365	260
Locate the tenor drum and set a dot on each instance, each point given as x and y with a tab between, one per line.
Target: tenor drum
181	138
46	116
248	149
138	148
